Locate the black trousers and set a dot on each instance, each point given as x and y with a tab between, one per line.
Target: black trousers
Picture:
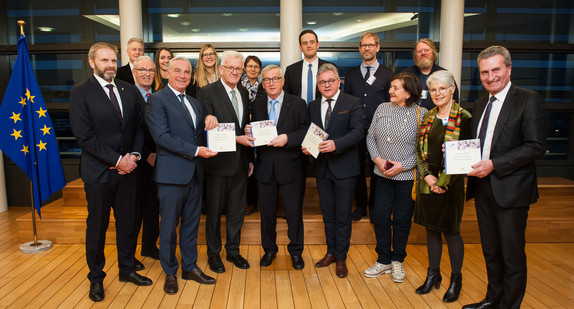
363	197
147	210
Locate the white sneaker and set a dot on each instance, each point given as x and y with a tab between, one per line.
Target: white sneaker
377	269
397	271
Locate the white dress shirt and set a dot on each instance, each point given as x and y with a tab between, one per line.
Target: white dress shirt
314	69
325	106
494	112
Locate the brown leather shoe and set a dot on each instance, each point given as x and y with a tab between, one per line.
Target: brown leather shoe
327	260
198	276
341	269
170	285
250	209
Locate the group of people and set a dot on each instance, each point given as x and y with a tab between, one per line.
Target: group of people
143	155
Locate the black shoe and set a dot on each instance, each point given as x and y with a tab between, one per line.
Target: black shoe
138	265
297	262
170	285
96	291
267	259
453	289
215	264
433	279
484	304
198	276
154	254
238	261
136	279
358	214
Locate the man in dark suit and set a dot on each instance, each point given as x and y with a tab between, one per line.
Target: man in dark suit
369	82
226	174
106	119
424	57
279	165
176	122
300	76
147	207
337	166
511	124
135	49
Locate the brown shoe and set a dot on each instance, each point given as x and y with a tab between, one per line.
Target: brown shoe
326	261
250	209
198	276
170	285
341	269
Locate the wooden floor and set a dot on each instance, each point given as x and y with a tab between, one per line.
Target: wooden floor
57	279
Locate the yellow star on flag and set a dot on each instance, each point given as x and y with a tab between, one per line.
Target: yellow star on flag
15	117
46	130
23	102
25	149
30	97
42	112
42	145
16	134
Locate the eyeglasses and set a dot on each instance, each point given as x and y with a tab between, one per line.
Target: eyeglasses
208	55
252	66
232	69
442	90
143	71
329	82
137	50
268	80
369	46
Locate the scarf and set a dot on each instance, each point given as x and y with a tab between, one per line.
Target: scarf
252	89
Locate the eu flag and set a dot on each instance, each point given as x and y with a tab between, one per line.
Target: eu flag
26	131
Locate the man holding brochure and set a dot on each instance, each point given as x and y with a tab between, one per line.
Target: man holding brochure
336	167
176	123
279	165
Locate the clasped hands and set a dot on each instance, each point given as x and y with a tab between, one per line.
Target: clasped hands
126	165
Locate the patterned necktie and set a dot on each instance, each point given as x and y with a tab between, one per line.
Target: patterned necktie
484	123
368	74
328	113
310	84
147	94
235	104
272	112
114	100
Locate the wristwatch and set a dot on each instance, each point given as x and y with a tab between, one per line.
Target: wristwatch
137	154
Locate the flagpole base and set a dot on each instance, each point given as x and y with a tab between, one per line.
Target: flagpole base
29	247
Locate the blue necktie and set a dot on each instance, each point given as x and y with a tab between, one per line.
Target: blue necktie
182	99
310	84
272	112
484	123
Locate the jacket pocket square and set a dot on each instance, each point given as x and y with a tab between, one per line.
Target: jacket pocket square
344	112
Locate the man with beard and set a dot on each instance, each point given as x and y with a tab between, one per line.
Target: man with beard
369	82
424	56
107	121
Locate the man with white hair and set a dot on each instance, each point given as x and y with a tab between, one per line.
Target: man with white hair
135	49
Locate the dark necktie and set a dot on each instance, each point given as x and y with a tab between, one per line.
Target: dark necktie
368	74
310	84
484	123
114	100
182	99
147	96
328	113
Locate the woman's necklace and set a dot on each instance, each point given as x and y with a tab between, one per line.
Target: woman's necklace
392	141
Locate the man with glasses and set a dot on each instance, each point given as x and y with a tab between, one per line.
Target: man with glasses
135	49
147	208
370	82
226	174
279	165
424	56
337	166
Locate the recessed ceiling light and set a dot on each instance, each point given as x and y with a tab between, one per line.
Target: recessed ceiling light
337	13
227	14
173	15
243	29
195	29
185	23
359	20
46	29
311	22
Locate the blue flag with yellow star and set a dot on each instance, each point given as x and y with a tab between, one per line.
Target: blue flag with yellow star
26	131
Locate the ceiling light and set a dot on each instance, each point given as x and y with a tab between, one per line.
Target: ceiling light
185	23
46	29
243	29
311	22
195	29
227	14
359	20
337	13
173	15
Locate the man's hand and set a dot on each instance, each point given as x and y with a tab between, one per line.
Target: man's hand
248	129
327	146
126	165
251	168
279	141
244	140
205	152
151	159
210	122
305	151
482	169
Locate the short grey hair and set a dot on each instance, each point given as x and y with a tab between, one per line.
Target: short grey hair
231	54
178	58
131	40
493	51
442	77
271	67
140	58
327	67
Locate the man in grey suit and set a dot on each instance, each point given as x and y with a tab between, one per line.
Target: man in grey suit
511	124
176	123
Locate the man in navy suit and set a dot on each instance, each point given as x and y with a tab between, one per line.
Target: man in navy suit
107	121
369	82
279	165
176	123
337	166
511	124
135	49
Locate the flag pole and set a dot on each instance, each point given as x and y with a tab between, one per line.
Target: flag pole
33	246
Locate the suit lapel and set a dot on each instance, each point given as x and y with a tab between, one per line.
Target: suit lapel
124	102
224	98
171	97
505	112
104	97
285	106
335	110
